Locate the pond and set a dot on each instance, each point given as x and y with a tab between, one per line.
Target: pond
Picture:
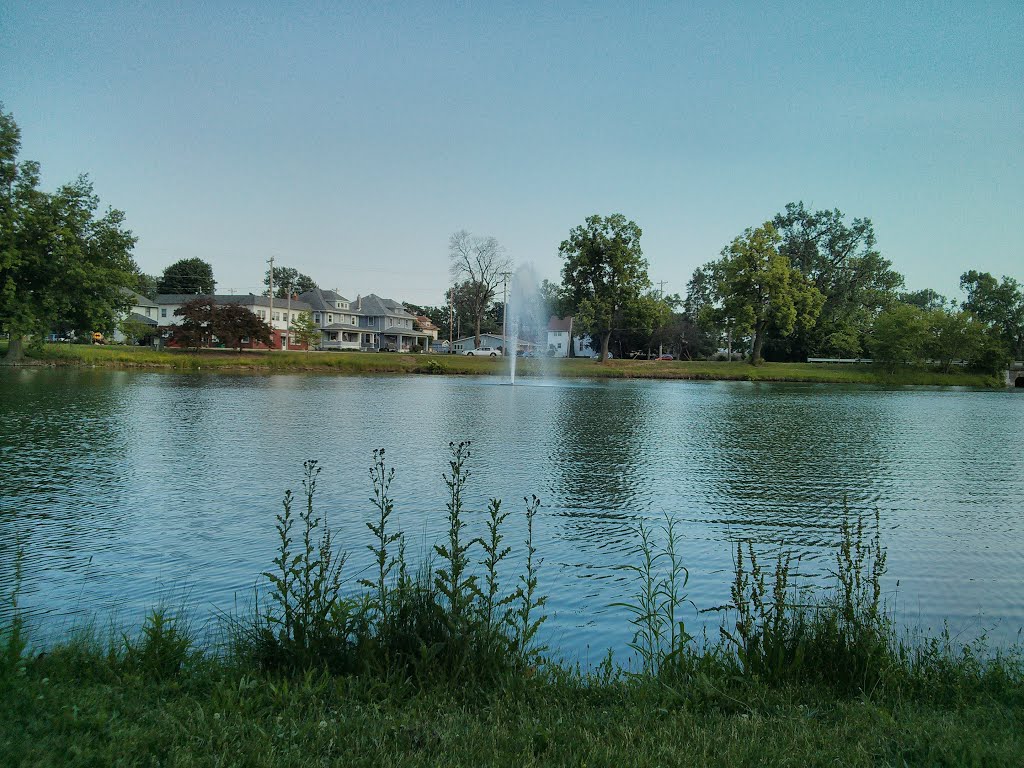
128	488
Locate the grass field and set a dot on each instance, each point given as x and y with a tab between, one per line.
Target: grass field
356	363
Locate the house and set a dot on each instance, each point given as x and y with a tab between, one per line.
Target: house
338	322
278	313
463	345
387	325
426	325
559	336
143	311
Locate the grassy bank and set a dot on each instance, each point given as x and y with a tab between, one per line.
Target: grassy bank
443	664
356	363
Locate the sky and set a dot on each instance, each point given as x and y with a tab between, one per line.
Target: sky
350	140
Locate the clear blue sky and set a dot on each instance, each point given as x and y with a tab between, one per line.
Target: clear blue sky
350	140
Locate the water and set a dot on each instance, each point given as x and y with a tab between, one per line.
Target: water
128	487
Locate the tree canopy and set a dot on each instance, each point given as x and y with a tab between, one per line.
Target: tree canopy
287	276
758	286
605	278
189	276
1000	305
61	264
842	262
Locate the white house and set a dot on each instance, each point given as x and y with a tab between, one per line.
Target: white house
143	311
559	336
279	314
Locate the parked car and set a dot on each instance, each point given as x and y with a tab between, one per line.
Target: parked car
484	352
664	357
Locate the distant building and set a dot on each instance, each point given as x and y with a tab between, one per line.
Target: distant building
143	311
279	317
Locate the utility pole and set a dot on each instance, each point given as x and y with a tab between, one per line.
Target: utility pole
504	312
661	295
288	320
270	314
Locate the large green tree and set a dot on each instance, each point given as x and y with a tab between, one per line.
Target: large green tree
999	304
61	264
285	277
605	278
900	336
759	287
188	276
841	260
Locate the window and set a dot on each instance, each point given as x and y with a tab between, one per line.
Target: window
277	315
332	336
316	317
163	311
149	311
330	318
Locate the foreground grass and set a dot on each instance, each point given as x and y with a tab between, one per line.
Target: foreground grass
64	713
355	363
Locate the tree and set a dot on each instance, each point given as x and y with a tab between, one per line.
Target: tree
605	277
146	285
306	332
953	335
196	327
757	286
478	264
232	323
899	336
134	330
203	319
998	304
697	326
285	277
840	260
60	264
926	298
188	276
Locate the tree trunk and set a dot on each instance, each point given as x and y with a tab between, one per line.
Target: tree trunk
605	339
15	352
476	341
755	354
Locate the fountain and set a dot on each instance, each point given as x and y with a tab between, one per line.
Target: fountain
527	316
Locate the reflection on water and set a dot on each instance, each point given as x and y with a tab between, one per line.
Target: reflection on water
131	486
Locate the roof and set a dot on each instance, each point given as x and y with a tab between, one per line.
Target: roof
495	336
322	300
557	323
401	331
244	299
346	327
426	323
136	317
138	300
375	306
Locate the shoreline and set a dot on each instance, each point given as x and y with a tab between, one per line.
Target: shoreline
369	363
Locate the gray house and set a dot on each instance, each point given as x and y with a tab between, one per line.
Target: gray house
339	324
370	323
393	327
